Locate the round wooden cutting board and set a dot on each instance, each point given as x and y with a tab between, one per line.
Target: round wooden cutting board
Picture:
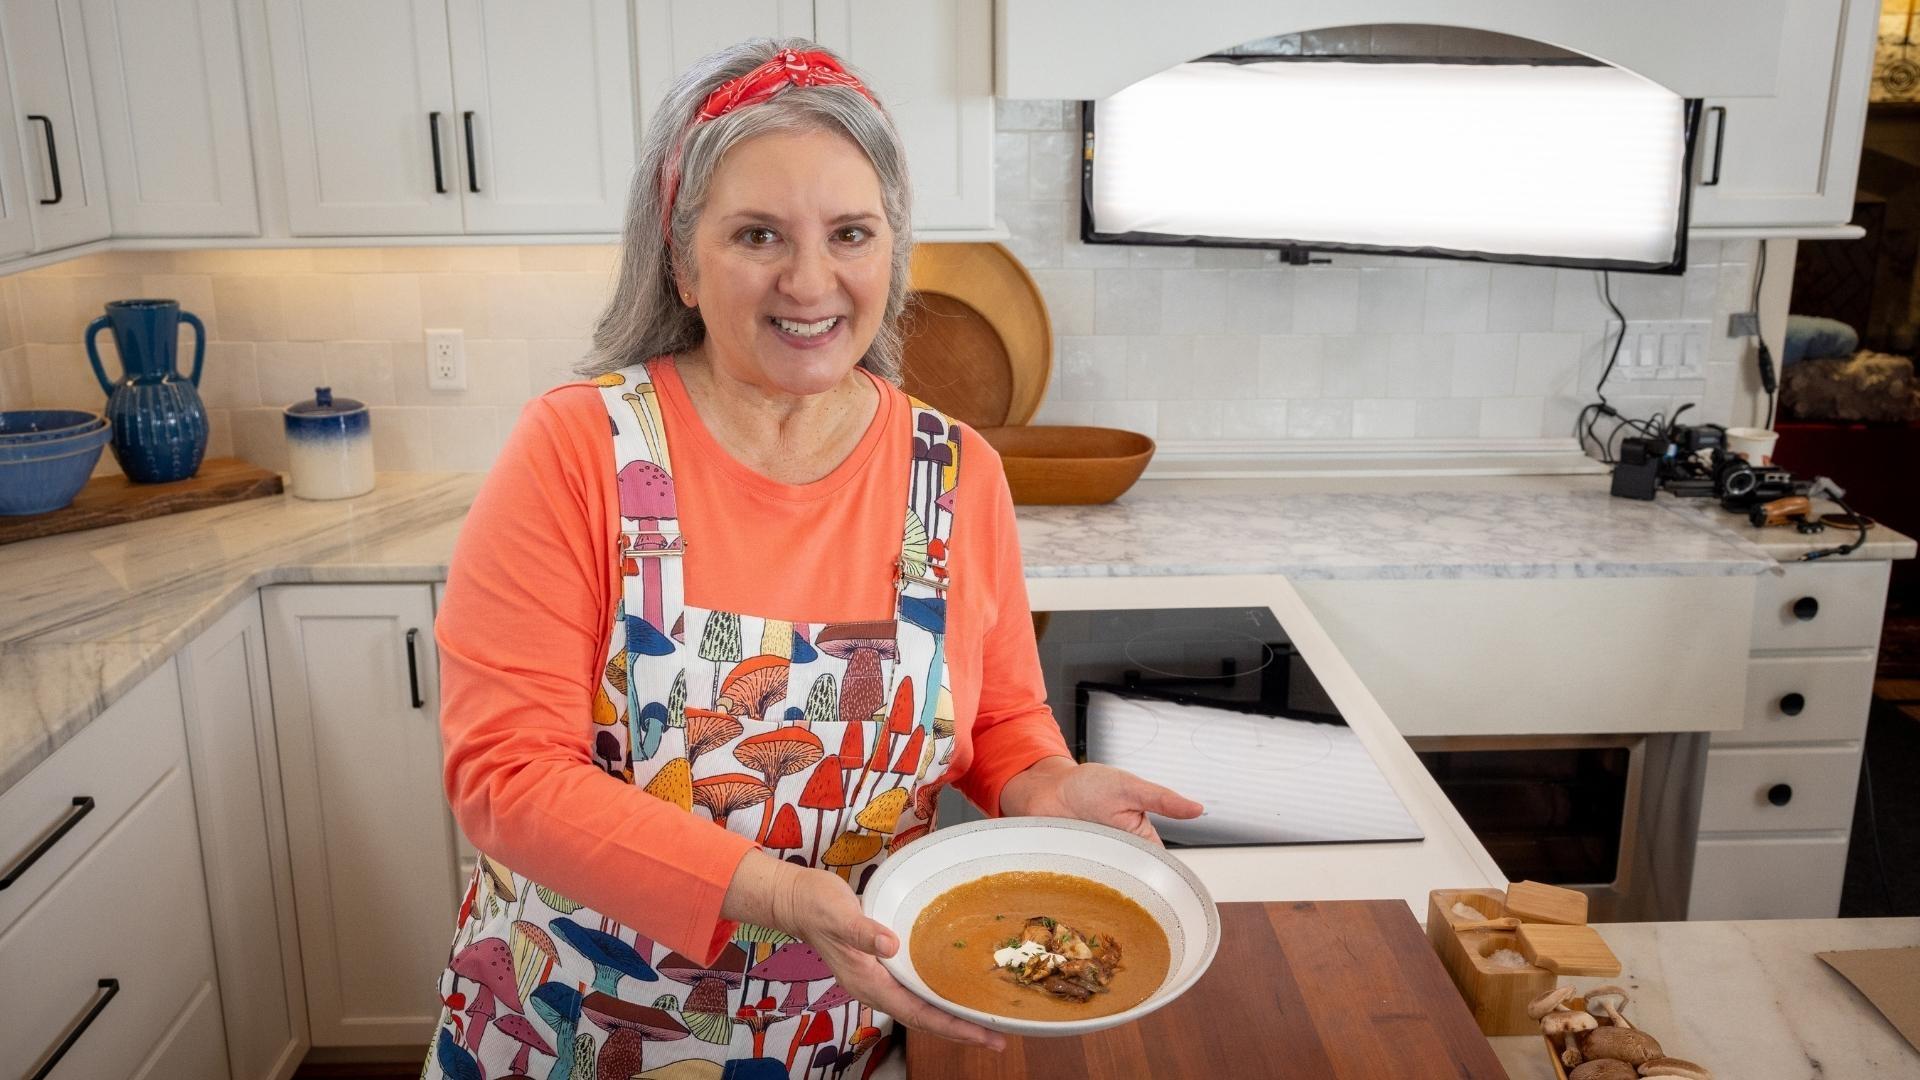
979	346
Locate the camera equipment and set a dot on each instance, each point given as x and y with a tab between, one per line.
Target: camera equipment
1692	460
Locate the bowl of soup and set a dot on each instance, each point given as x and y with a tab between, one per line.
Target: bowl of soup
1043	926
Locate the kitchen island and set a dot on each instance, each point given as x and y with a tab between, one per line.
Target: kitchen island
1749	1000
135	624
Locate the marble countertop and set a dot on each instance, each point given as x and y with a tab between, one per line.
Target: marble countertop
87	614
1749	1000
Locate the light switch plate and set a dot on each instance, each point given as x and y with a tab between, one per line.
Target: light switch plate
1663	349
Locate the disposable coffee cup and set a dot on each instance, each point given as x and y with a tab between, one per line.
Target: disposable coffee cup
1752	443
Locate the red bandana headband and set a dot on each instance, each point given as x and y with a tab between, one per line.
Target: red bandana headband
764	83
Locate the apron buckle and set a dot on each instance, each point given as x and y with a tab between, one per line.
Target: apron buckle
901	579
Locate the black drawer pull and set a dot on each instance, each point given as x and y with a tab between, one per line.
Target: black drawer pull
473	171
112	987
1806	608
1793	704
53	161
1780	794
439	177
413	671
1719	143
83	805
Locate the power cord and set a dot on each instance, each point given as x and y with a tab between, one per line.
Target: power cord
1825	488
1586	424
1763	358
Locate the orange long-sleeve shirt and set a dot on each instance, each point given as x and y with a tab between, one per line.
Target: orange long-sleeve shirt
530	600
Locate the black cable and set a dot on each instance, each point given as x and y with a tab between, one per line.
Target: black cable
1589	416
1844	549
1763	357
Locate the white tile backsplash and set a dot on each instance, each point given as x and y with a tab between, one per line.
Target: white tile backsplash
1326	301
1457	299
1188	345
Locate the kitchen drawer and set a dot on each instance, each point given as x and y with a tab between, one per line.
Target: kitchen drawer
133	909
1835	605
1815	783
1796	877
1814	698
114	761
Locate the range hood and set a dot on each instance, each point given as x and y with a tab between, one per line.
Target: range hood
1091	49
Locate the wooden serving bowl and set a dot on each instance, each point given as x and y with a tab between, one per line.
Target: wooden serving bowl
1048	465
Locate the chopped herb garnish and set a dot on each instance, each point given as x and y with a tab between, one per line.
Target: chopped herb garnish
959	944
997	918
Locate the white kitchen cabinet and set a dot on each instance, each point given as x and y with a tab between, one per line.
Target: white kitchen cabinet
105	933
932	64
16	219
671	34
545	94
451	116
54	113
364	94
1780	791
172	104
355	701
1792	157
243	833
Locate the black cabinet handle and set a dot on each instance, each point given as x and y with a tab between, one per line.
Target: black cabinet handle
82	806
1806	608
1719	143
1780	794
473	173
1793	704
53	161
413	670
112	987
439	177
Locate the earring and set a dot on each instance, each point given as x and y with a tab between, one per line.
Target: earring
687	299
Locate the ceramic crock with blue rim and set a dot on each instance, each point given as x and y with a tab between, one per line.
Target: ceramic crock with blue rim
329	446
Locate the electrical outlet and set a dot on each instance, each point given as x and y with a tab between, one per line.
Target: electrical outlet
446	360
1743	324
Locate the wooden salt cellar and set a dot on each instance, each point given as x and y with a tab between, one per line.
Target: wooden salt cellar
1498	996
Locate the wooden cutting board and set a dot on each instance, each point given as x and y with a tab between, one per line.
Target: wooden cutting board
1326	989
111	500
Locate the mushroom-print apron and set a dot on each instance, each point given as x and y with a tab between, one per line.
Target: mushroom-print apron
826	744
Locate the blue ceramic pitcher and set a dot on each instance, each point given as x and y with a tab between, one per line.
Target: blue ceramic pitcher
159	421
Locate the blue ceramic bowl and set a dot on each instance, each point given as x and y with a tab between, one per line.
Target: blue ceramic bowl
33	425
45	476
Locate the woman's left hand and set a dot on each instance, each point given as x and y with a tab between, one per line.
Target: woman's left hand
1057	787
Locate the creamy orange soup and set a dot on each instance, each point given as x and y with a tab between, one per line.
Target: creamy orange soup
954	939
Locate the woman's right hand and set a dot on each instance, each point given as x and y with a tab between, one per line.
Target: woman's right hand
817	907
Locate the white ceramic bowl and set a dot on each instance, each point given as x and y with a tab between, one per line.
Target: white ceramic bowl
906	883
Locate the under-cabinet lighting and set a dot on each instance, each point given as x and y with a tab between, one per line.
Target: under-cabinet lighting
1568	163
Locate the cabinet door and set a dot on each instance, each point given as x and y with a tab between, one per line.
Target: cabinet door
1792	158
53	103
16	219
545	99
131	907
363	91
932	64
173	117
466	855
371	837
671	34
243	833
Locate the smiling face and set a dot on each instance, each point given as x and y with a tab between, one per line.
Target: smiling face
792	259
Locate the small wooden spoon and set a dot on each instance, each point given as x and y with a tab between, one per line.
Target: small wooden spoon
1504	923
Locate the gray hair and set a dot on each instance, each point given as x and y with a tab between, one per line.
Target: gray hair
645	318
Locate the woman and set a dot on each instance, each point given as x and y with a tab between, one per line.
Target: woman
787	597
